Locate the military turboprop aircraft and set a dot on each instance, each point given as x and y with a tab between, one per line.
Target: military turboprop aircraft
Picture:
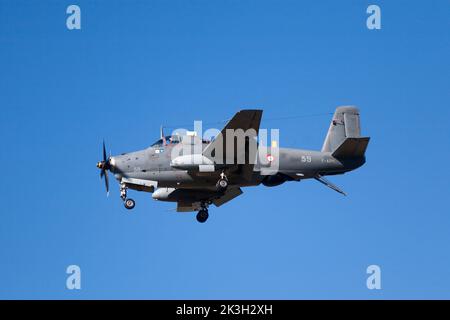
196	173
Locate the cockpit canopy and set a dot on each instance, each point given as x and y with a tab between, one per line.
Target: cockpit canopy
167	140
173	139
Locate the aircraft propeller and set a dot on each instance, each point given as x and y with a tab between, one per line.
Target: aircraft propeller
104	166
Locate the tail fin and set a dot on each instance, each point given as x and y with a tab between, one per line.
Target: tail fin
345	124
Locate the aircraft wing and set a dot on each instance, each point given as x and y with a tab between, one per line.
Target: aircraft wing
230	194
183	206
231	153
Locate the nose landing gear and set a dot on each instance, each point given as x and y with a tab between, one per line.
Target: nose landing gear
127	202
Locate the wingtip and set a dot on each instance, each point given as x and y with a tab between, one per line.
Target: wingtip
251	110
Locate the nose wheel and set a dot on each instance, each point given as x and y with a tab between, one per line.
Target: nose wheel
127	202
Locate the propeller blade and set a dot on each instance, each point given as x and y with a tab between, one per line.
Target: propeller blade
107	182
104	151
104	166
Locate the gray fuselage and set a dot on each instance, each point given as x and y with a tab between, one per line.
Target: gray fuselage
154	163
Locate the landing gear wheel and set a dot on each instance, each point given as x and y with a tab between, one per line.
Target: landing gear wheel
129	204
202	215
222	184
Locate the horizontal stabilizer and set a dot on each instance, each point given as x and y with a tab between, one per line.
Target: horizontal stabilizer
351	148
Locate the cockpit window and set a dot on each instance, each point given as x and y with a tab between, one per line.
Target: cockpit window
173	139
158	143
168	140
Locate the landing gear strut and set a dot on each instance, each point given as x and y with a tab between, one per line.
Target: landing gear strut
127	202
222	184
203	214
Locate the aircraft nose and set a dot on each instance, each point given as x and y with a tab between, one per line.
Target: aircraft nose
112	164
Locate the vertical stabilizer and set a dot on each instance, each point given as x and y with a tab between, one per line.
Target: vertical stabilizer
345	124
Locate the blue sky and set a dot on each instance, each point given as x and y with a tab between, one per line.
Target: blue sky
137	64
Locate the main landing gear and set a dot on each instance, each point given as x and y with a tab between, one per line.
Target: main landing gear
222	184
127	202
203	214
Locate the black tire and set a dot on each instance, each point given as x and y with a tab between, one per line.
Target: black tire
129	203
202	216
222	184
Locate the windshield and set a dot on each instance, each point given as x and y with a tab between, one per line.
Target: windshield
168	140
